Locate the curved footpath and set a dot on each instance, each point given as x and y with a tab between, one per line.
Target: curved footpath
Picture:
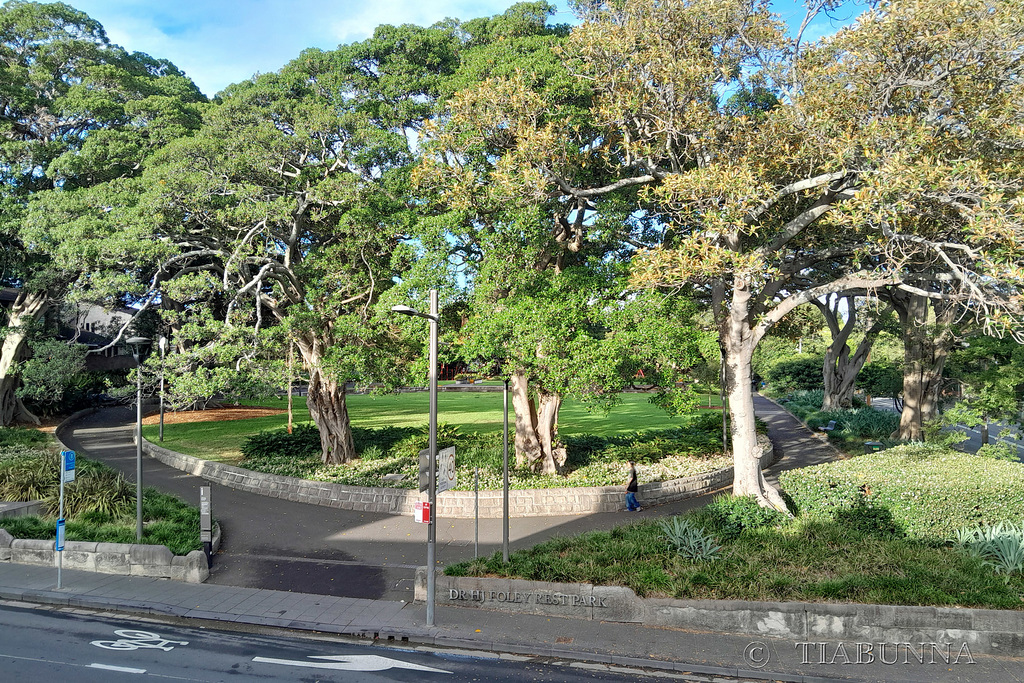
278	555
283	545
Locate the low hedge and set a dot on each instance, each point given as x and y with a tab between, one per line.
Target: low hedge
591	460
920	490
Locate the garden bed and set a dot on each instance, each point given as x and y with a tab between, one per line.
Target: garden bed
841	553
99	505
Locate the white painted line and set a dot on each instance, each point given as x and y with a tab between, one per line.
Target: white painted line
123	669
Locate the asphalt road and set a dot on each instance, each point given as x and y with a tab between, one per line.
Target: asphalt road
44	645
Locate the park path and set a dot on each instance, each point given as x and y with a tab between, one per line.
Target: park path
282	545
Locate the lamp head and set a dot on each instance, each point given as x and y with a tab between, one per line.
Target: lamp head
139	346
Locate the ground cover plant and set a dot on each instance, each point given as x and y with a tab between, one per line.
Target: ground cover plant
98	506
729	550
926	491
853	427
591	460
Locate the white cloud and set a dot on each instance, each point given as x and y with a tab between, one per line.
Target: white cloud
219	42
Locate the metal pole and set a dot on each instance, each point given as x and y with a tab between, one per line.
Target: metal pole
60	515
432	527
504	499
163	348
476	512
138	452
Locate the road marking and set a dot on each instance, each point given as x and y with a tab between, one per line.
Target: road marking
350	663
131	639
124	669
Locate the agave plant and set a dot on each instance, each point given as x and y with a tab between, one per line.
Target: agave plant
689	540
1000	546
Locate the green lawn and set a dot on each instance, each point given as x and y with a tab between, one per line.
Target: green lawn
479	412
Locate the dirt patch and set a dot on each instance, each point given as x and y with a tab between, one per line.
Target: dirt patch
213	415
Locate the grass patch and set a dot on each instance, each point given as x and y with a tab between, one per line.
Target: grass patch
18	437
476	412
876	529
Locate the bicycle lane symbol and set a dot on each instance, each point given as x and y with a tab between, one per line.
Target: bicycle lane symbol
138	640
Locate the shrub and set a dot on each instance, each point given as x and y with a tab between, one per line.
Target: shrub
304	441
928	492
689	540
802	372
105	493
859	423
729	516
1000	546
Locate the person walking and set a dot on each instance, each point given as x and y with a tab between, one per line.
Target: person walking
631	488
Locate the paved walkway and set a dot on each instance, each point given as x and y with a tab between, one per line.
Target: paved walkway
277	544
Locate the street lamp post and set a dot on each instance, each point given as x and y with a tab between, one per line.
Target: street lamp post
163	352
504	486
139	346
432	454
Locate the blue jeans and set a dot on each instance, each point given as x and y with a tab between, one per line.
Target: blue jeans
631	503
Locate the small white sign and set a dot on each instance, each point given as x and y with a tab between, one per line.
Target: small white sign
67	470
59	545
446	469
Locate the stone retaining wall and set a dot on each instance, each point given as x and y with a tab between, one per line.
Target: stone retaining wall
452	504
128	559
20	509
985	631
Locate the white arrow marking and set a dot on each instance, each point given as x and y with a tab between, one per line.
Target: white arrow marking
351	663
123	669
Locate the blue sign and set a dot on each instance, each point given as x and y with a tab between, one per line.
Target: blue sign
60	534
68	466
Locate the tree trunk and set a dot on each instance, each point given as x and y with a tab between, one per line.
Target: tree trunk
536	430
737	341
840	368
28	308
327	407
925	346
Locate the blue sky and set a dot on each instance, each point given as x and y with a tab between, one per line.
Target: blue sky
219	42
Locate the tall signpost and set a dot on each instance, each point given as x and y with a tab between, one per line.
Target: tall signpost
432	317
139	346
67	475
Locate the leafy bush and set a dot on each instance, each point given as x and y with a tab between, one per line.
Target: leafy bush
860	423
1000	546
304	441
928	492
803	372
106	492
30	478
591	460
729	516
689	540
